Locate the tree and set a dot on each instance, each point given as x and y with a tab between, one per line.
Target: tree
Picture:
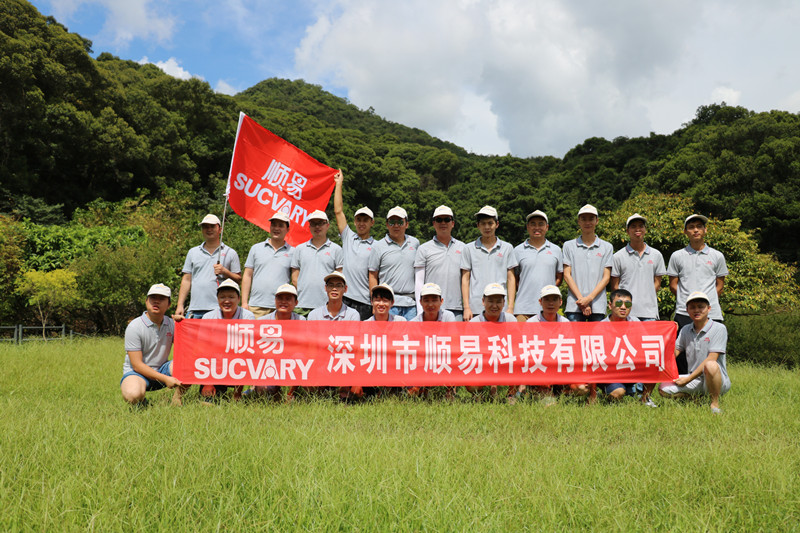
49	292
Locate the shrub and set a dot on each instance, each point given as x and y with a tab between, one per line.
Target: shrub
764	339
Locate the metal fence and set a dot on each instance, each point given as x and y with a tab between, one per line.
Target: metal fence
18	335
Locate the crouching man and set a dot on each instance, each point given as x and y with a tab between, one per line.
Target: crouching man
705	343
148	341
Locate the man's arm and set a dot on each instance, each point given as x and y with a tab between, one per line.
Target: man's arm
247	283
511	284
183	292
419	281
295	275
137	363
465	294
657	283
573	286
614	285
600	287
673	284
373	280
338	202
559	278
720	286
220	270
712	356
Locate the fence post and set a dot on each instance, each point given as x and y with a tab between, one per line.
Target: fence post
19	335
63	331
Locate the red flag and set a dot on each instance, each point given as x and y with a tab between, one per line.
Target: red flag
269	174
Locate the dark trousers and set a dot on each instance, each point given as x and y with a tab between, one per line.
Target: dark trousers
364	310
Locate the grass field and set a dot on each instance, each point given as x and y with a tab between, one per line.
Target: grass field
75	457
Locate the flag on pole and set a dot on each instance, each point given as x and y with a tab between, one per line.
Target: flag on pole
269	174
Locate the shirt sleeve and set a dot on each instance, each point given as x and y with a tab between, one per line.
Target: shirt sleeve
375	258
338	257
674	268
560	259
511	260
660	268
616	266
295	259
721	266
235	265
567	254
608	256
250	261
187	264
466	258
719	338
133	341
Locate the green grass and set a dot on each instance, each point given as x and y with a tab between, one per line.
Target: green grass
73	456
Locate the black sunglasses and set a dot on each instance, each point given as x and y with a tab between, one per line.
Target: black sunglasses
443	219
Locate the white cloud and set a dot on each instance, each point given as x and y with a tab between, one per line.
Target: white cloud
172	67
725	94
225	88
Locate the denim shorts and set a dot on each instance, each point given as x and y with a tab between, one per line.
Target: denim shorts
165	369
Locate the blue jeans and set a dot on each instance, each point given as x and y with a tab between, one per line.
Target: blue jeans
406	312
577	316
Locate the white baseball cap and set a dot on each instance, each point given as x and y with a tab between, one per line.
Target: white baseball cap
318	215
210	219
693	217
488	211
635	216
549	290
161	290
588	209
229	284
365	211
397	211
430	289
537	213
335	274
286	288
493	289
697	295
382	286
280	215
443	210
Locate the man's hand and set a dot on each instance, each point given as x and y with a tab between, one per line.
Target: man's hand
682	381
467	314
171	382
338	178
177	317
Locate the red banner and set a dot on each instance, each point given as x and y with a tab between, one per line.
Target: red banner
269	174
258	352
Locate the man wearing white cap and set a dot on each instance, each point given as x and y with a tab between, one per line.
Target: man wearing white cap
587	270
206	266
312	261
357	247
268	266
494	300
638	268
431	301
698	267
335	308
148	341
439	261
485	261
382	302
540	264
705	343
392	262
549	303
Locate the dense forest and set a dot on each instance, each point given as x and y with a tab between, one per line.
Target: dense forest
105	165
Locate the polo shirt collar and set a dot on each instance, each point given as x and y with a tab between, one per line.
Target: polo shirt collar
390	241
630	250
579	242
501	319
705	328
203	248
311	244
691	250
527	244
479	244
341	313
146	320
269	244
452	240
369	239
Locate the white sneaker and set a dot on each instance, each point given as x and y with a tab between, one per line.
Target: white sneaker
650	403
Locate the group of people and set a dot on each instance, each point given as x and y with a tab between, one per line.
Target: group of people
398	279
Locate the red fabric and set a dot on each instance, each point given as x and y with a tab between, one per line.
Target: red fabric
312	353
269	174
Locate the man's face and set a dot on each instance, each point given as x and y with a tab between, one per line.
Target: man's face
537	228
550	303
381	304
335	289
636	230
698	310
587	222
157	304
695	230
278	229
620	307
443	225
319	227
364	224
285	302
488	226
210	231
396	227
431	304
228	300
494	305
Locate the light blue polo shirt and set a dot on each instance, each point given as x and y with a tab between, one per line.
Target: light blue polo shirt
698	271
631	318
504	317
200	264
713	337
240	314
392	318
345	313
444	316
314	264
356	264
271	269
588	264
155	342
271	316
442	266
537	268
636	274
394	264
540	318
485	267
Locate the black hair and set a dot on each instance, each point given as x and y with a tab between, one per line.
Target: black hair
620	292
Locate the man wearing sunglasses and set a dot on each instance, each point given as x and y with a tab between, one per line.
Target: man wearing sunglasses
312	261
439	261
392	263
620	303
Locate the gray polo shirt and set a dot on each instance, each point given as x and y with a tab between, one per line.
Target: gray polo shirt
631	318
504	317
485	267
588	264
698	271
536	269
637	274
200	264
540	318
443	267
345	313
713	337
271	269
356	264
394	264
444	316
240	314
155	342
314	264
392	318
271	316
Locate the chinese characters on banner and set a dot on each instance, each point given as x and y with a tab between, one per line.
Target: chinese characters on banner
312	353
269	174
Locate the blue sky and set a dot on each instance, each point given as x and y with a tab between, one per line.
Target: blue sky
527	77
